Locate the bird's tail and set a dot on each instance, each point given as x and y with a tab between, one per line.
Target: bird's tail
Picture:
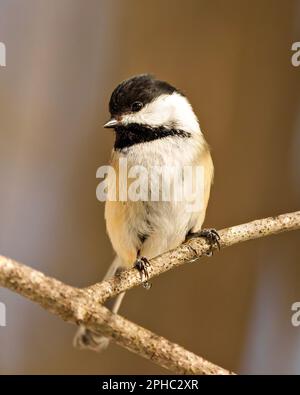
85	338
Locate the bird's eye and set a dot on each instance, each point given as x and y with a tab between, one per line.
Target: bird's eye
136	106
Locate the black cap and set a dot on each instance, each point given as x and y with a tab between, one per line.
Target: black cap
142	88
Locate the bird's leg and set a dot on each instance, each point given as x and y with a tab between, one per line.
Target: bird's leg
87	339
142	264
210	235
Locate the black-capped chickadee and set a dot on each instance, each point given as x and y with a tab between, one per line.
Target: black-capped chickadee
155	126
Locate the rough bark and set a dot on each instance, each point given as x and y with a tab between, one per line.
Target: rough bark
84	306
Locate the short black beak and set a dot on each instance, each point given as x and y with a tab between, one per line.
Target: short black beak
112	123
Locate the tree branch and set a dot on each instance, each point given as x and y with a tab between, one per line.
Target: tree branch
72	305
81	306
193	249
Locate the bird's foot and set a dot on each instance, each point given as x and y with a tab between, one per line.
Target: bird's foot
86	339
142	264
210	235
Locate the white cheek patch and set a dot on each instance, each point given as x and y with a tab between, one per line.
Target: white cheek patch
171	111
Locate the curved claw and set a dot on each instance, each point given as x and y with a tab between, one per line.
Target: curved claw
142	264
212	237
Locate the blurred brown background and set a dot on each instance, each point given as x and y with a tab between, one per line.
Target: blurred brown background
232	59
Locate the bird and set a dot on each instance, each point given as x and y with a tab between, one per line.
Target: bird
155	126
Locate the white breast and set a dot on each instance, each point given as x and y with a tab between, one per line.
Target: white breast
164	223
